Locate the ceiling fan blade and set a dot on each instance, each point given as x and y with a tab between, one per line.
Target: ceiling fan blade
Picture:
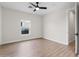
43	7
34	10
33	5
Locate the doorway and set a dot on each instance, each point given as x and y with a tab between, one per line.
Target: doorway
71	28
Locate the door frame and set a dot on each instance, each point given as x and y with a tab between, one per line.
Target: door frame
67	27
76	53
75	50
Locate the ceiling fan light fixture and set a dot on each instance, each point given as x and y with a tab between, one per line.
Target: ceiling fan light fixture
37	8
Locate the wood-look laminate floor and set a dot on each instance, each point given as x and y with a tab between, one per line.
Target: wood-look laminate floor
37	48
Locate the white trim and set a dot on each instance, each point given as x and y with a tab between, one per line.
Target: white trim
56	41
17	40
12	41
75	28
0	24
34	38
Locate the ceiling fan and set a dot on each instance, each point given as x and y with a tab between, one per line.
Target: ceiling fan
37	7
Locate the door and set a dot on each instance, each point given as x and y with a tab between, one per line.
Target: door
77	29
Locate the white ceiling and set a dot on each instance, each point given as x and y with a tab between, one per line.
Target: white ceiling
23	6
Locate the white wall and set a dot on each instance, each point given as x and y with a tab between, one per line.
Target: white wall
0	24
56	25
11	25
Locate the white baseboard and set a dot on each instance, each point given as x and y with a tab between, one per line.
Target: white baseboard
31	39
12	41
57	41
15	41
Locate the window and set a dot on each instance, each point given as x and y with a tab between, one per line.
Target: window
25	26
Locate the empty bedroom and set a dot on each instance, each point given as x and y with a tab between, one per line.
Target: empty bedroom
38	29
